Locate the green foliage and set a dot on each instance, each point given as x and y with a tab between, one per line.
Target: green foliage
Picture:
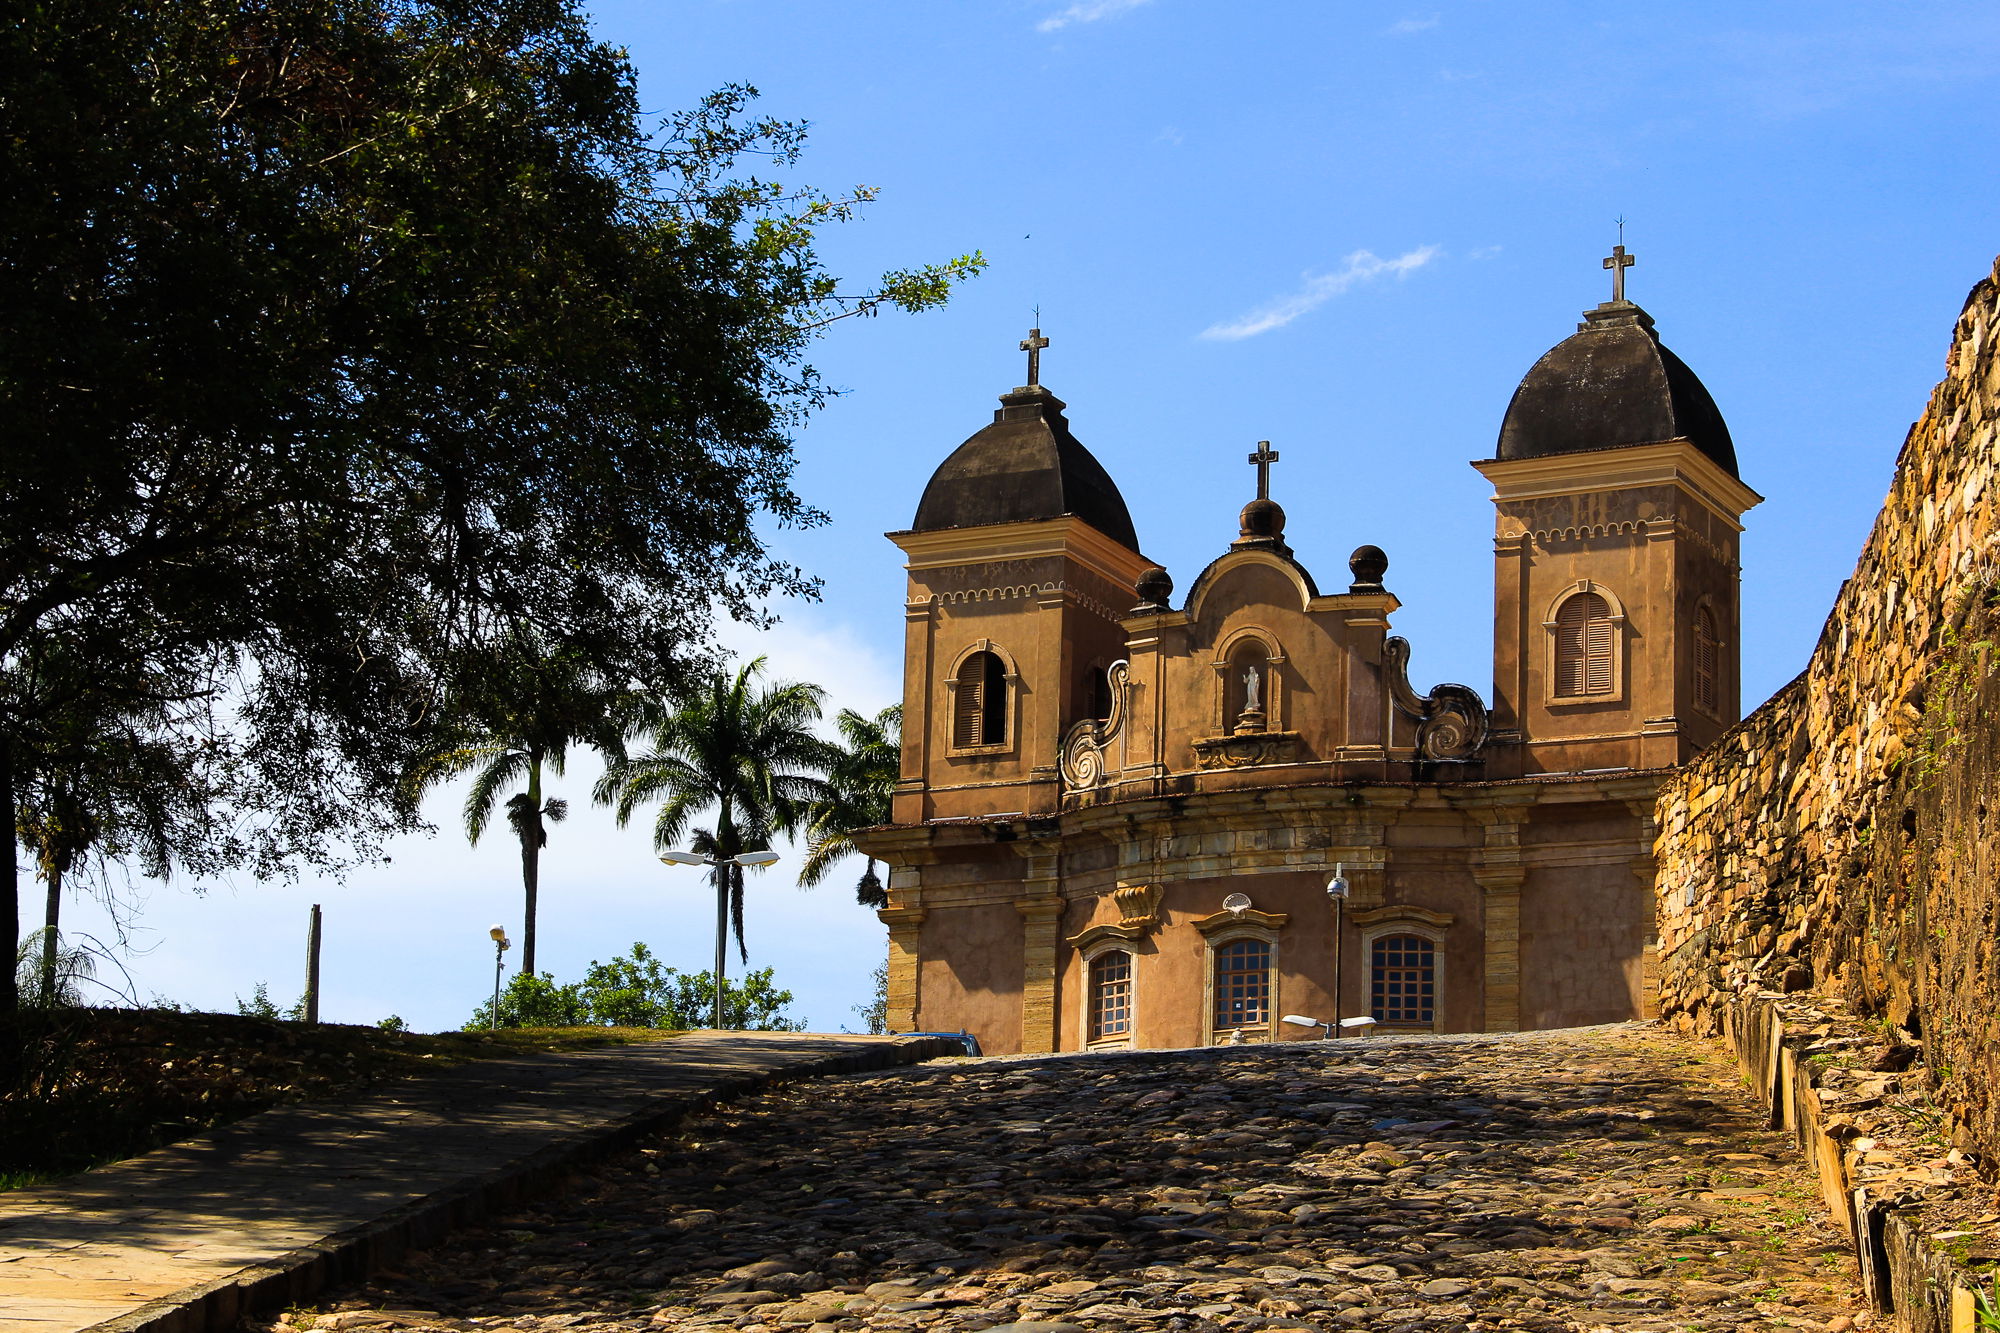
260	1005
875	1014
50	974
860	782
534	1000
393	1023
348	337
636	990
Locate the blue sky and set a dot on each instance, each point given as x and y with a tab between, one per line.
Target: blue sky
1346	228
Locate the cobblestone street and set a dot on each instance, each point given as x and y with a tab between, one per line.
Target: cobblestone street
1609	1178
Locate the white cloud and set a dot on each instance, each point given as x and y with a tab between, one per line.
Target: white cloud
1361	266
1088	11
1405	27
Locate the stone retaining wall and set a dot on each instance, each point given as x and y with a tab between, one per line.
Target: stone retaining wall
1839	838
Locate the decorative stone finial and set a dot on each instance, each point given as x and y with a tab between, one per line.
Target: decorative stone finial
1262	523
1156	587
1368	564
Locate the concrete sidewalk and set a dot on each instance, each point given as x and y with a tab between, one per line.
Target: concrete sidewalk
267	1211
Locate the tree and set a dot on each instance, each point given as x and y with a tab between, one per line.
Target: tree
733	746
101	773
346	337
518	715
533	1000
875	1013
860	783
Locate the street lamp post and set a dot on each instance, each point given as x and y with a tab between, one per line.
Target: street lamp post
763	858
501	944
1336	889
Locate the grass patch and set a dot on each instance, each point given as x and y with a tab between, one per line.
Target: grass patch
92	1086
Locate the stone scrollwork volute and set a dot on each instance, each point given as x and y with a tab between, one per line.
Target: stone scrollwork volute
1085	765
1451	719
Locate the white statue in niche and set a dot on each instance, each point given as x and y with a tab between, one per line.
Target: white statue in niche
1253	683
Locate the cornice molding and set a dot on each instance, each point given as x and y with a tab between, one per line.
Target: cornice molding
1019	592
1042	538
1666	463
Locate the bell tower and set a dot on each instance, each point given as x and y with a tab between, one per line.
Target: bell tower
1616	629
1022	561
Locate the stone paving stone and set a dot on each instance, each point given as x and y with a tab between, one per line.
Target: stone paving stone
1598	1179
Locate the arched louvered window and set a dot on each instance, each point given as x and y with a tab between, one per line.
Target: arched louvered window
1584	659
1403	979
1707	663
979	702
1110	995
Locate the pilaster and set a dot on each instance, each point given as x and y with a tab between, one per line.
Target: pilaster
1041	909
1645	868
904	925
1500	875
1041	922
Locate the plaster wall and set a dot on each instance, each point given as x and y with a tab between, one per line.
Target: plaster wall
969	974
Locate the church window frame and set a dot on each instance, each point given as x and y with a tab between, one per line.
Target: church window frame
1705	660
1233	656
1221	951
1110	1004
994	691
1400	921
1586	652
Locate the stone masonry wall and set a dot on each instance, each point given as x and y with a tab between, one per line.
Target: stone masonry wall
1839	838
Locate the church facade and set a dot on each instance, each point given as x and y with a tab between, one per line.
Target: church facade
1120	808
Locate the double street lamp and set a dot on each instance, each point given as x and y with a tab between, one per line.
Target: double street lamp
759	858
1336	889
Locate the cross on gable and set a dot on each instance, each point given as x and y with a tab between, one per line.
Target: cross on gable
1263	458
1618	262
1033	345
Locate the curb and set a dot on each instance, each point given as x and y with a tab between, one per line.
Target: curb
1903	1276
349	1255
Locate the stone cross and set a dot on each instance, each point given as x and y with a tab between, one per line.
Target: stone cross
1618	262
1263	458
1033	345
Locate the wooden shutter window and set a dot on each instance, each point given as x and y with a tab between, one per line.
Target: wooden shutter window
1707	663
1583	647
979	702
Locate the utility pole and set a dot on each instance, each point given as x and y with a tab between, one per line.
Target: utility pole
311	1001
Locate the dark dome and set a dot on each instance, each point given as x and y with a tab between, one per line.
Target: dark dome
1023	467
1609	384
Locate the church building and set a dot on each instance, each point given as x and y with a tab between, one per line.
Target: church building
1121	806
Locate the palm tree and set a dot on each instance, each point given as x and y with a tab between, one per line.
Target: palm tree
738	748
517	727
859	785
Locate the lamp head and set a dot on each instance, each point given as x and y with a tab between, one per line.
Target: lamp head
498	934
683	859
764	858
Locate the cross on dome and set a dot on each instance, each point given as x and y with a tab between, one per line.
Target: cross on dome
1618	261
1033	345
1263	458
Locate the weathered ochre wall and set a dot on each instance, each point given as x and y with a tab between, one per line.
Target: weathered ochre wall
1842	837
